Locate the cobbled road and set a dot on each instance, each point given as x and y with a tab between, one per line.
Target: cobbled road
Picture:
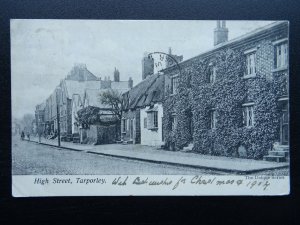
30	158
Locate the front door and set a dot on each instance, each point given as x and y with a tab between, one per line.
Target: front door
131	128
284	126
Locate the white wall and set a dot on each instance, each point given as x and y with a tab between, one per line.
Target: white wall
152	137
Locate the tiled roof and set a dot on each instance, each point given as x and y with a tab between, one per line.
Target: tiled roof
146	92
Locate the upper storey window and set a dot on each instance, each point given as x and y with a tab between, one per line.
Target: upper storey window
174	84
281	54
250	69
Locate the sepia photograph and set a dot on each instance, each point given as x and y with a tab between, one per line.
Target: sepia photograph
149	107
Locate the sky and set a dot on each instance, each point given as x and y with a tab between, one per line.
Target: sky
44	51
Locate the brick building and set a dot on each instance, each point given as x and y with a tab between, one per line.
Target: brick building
233	99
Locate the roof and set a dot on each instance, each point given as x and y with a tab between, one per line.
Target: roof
41	106
145	93
77	87
80	73
235	41
93	97
120	86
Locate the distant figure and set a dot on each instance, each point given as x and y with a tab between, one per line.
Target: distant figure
28	136
22	135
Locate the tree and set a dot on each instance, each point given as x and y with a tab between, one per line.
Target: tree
113	99
27	122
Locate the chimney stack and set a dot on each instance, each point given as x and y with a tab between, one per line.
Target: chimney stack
116	75
130	83
220	32
147	66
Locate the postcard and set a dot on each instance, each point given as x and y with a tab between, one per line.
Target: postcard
149	107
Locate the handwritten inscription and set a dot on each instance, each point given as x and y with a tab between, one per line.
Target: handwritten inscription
196	180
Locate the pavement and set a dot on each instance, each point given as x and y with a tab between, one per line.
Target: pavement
185	159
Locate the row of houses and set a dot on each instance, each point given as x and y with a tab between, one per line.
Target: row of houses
79	90
231	100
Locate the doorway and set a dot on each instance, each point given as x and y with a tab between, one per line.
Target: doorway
284	125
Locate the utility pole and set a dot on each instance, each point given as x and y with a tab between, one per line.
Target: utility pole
58	116
39	127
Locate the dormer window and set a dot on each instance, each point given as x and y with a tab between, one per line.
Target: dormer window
250	68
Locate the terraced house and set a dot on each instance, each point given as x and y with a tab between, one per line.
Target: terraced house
233	99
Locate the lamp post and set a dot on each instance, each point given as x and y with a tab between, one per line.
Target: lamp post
58	89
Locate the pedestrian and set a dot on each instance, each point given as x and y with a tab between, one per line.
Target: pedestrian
28	136
22	135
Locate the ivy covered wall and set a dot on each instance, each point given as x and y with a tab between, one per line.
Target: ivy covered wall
196	97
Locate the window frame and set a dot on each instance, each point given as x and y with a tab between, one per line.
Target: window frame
124	123
250	63
173	122
281	44
248	109
174	85
152	120
213	119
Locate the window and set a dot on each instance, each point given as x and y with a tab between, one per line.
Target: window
213	119
248	114
145	122
155	119
281	55
174	84
152	118
124	125
250	63
173	122
212	74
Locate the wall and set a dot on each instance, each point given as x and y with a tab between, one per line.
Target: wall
106	134
97	134
151	137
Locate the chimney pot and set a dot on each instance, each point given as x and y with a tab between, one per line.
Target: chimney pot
220	33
